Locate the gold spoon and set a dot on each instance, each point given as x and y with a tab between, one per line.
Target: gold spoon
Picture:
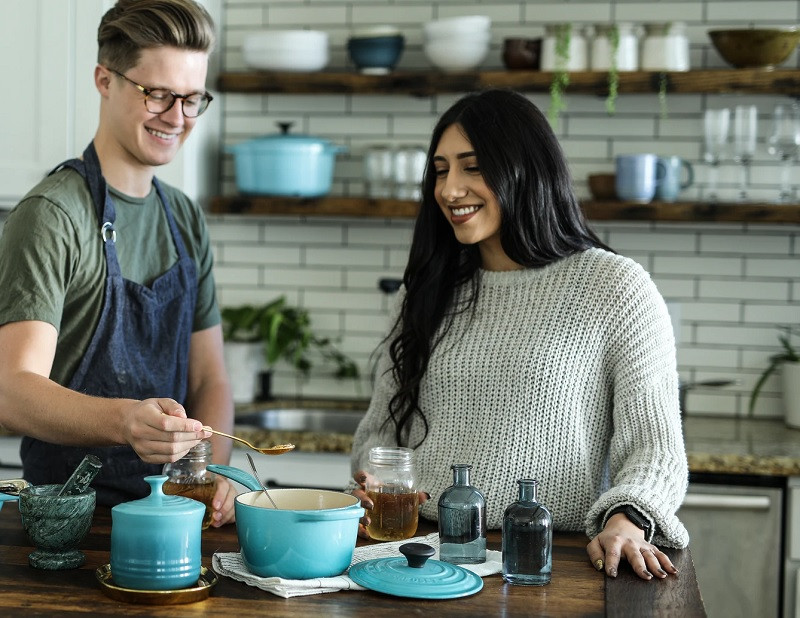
278	449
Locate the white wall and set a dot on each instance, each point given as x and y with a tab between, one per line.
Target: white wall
733	282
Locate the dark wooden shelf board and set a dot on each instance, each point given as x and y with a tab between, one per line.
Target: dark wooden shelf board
597	211
428	83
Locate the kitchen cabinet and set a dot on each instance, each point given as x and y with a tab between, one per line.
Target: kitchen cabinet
48	50
427	83
735	536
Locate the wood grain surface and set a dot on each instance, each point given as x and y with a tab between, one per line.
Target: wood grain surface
576	588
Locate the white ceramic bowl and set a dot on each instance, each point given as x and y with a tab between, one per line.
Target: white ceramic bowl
453	55
456	26
287	50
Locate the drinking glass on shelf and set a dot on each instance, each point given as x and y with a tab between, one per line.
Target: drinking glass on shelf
784	143
745	123
715	131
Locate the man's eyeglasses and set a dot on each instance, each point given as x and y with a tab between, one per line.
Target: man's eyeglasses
160	100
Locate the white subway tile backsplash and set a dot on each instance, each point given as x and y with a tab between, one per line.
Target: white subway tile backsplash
734	282
692	265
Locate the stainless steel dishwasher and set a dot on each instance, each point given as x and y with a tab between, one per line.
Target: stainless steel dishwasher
735	539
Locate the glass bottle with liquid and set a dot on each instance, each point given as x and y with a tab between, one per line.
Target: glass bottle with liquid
189	477
527	539
391	485
462	520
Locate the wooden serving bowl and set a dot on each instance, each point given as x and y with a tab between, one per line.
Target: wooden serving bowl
755	48
602	186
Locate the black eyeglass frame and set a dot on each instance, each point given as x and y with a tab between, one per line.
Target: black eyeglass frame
206	96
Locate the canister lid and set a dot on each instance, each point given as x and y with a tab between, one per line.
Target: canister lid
429	579
158	504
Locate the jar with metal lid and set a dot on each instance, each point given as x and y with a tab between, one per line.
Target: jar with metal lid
392	487
563	48
615	45
665	47
189	477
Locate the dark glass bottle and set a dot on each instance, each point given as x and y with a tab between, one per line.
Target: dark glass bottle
462	520
527	539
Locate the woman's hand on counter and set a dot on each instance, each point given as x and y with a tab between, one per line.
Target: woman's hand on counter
360	477
622	539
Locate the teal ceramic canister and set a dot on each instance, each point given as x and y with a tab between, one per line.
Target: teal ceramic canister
311	534
155	541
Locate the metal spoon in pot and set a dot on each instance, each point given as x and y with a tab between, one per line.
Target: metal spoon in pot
278	449
260	482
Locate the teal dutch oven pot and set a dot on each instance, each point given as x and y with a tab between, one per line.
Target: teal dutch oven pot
155	541
311	534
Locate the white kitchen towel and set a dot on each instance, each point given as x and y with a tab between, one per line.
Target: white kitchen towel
231	565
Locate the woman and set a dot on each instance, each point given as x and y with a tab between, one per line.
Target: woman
523	345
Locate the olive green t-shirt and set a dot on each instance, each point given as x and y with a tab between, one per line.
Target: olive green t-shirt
52	263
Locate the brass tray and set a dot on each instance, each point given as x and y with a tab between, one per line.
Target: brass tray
199	592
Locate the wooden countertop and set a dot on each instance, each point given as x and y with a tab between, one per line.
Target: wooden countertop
575	590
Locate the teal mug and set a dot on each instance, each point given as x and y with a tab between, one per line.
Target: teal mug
671	178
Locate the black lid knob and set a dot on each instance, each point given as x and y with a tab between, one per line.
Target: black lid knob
417	554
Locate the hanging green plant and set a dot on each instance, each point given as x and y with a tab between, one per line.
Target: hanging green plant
613	75
560	75
663	82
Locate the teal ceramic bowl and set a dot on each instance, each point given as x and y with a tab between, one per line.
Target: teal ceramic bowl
312	534
155	541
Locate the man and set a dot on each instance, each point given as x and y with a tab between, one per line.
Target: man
109	325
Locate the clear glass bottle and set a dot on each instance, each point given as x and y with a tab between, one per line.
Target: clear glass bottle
392	487
462	520
188	477
527	539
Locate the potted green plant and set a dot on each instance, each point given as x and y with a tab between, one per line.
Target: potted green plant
788	360
280	331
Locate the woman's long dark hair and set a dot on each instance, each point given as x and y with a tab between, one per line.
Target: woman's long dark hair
522	163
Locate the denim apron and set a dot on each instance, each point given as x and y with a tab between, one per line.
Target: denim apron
140	349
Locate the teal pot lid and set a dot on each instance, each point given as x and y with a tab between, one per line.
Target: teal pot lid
432	579
158	504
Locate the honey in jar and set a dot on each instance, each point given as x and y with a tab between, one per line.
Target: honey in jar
188	477
392	488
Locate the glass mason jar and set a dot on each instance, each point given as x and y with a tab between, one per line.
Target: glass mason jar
392	487
462	520
527	539
188	477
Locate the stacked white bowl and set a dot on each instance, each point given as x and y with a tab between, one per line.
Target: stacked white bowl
287	50
457	43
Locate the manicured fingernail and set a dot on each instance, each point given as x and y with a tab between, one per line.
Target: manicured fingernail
648	574
598	564
427	495
612	572
662	572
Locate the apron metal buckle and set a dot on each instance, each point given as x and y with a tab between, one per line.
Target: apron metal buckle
107	232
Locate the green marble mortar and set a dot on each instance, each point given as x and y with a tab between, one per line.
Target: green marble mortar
56	525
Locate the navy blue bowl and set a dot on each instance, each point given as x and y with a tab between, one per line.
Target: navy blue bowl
376	55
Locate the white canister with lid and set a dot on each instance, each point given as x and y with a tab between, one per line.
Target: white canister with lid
665	47
575	54
627	47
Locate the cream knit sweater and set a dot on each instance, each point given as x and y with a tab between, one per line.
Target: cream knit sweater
565	374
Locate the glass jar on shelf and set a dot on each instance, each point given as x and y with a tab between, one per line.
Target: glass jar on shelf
189	477
462	520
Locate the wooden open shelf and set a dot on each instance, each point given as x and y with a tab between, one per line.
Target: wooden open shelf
597	211
427	83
